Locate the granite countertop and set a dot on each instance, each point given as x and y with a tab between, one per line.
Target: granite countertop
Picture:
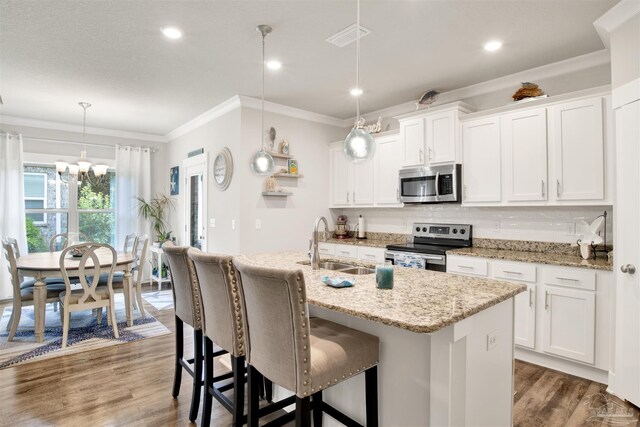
421	301
566	260
372	243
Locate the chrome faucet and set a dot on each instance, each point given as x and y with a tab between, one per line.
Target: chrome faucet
314	255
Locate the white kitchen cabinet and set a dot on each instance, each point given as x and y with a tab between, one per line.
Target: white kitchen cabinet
326	248
576	135
569	323
412	134
368	253
388	161
524	139
363	188
481	160
525	317
441	137
471	266
340	171
346	251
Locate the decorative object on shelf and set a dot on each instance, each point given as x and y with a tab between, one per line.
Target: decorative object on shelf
427	98
262	162
292	164
195	152
155	210
589	241
372	128
272	137
81	169
528	90
284	147
174	180
359	145
223	168
270	184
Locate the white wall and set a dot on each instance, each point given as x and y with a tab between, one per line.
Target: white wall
625	40
545	224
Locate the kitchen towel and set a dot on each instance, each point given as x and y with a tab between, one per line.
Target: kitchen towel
410	261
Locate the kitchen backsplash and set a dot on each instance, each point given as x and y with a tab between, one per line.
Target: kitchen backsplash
540	224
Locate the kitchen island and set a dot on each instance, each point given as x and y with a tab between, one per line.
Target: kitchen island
446	343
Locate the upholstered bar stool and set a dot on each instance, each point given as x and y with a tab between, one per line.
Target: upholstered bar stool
302	354
186	299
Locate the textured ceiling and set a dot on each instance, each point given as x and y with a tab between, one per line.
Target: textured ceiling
112	54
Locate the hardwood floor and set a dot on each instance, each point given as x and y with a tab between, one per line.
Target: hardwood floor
130	385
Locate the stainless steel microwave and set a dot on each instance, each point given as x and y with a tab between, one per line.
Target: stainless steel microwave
436	184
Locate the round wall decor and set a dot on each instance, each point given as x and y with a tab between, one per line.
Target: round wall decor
223	168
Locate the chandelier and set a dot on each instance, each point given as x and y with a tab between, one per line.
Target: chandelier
80	170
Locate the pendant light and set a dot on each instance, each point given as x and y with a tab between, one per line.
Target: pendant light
262	163
359	146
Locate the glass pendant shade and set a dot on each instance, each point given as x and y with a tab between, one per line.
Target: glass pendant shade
100	170
61	167
359	146
262	163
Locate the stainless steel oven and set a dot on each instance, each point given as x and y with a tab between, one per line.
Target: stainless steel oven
436	184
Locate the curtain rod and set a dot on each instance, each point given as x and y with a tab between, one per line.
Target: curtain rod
64	141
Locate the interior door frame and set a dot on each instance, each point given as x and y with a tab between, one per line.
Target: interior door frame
194	166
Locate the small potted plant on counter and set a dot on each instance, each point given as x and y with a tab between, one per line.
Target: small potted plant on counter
155	210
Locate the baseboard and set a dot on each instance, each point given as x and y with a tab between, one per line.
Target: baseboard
566	366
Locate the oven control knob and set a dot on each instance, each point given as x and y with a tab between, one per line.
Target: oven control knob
455	231
462	231
418	229
424	229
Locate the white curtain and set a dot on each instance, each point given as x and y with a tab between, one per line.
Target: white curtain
133	179
12	220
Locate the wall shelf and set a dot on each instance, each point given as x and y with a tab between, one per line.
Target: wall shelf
276	193
280	155
287	175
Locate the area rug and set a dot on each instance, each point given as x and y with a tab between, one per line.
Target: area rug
85	334
161	300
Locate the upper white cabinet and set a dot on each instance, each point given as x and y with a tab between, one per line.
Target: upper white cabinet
363	182
549	155
524	138
481	165
340	174
412	135
432	137
388	161
576	134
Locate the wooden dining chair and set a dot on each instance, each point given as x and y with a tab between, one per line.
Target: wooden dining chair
23	289
90	295
53	243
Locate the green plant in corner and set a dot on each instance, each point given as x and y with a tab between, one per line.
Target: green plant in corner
155	210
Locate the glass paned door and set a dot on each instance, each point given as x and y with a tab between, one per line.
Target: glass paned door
195	198
196	236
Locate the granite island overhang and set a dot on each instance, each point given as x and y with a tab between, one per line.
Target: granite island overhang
446	342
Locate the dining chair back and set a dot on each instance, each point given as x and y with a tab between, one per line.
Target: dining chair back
64	242
90	295
11	254
140	249
129	242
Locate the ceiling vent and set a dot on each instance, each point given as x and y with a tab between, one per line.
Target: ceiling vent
347	36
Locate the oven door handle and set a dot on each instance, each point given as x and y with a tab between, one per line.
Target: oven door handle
437	185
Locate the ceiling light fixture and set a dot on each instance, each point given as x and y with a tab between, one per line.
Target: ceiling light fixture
81	169
359	146
493	45
172	32
262	162
274	65
355	92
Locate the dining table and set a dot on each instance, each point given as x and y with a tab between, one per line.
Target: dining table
45	265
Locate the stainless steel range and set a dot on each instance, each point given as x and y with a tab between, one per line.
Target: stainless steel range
430	245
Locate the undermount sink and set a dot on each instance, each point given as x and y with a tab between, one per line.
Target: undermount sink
342	268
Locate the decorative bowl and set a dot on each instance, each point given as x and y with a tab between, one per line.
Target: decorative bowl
338	282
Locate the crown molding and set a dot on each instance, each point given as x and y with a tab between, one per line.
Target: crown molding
204	118
567	66
44	124
614	18
285	110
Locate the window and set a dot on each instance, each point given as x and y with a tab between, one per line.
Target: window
35	195
54	206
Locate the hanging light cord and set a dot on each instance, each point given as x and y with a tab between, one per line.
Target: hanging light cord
262	114
358	62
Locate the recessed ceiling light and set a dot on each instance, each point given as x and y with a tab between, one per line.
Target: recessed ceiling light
172	32
493	45
274	65
356	91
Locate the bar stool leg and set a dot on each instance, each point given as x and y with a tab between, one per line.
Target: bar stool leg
303	412
177	377
197	374
371	395
268	390
253	380
237	364
316	399
208	382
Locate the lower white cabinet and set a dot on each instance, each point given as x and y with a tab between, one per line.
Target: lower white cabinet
346	251
326	248
525	318
569	323
367	253
362	253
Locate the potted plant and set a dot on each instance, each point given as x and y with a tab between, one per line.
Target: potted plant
155	210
